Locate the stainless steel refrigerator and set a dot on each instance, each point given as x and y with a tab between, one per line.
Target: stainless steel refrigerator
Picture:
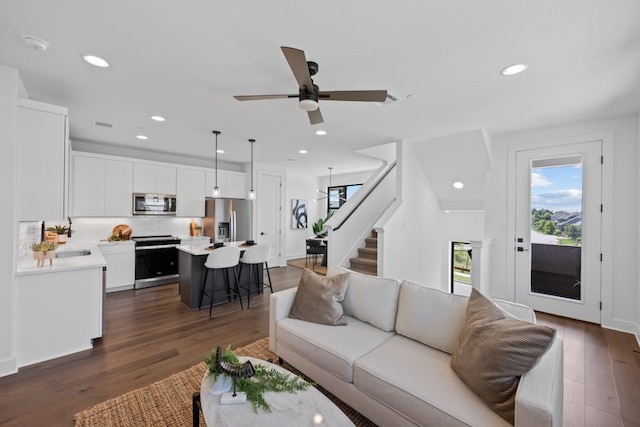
228	220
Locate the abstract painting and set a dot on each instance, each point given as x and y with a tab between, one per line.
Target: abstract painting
298	213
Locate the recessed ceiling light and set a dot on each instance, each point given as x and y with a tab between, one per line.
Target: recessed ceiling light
303	151
514	69
321	132
458	185
96	60
158	118
143	137
220	151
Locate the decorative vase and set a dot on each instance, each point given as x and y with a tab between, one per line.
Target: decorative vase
222	385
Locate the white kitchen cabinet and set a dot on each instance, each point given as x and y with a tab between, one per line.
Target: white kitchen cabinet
42	161
88	186
118	191
236	185
231	184
121	265
101	187
190	192
58	313
157	179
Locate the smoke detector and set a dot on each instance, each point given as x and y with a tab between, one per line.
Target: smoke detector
35	42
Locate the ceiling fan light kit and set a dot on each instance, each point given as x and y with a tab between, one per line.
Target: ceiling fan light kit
309	93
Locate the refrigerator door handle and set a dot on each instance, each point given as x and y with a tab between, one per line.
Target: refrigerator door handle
233	226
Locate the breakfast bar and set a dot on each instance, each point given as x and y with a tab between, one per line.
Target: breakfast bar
191	259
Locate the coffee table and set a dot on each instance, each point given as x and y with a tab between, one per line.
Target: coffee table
303	408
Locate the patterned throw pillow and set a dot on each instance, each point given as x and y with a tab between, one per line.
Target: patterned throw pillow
493	351
318	298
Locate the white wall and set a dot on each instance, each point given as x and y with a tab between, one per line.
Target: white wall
623	301
301	187
412	235
9	85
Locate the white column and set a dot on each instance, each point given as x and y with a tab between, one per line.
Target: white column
480	265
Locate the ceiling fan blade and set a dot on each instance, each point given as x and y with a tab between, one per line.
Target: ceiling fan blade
298	63
354	95
315	116
259	97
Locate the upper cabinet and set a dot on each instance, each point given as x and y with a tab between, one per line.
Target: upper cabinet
231	184
190	194
42	161
101	187
150	178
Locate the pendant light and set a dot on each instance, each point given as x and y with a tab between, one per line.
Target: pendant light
326	195
216	189
252	192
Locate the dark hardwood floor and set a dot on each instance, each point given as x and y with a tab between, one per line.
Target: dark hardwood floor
151	335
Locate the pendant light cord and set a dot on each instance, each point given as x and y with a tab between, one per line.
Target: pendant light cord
216	133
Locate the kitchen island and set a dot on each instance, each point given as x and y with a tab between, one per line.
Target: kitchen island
191	259
60	305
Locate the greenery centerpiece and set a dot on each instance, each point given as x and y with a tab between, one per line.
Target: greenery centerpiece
264	379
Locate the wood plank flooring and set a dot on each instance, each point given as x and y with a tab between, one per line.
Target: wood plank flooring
151	335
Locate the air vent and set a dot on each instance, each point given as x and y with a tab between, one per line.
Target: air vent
103	124
391	98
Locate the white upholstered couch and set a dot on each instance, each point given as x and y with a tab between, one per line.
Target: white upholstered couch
391	362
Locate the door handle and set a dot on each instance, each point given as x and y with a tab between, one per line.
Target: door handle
262	233
521	249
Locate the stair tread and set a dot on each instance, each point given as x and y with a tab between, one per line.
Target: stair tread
367	261
368	250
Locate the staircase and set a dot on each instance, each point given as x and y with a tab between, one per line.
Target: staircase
367	260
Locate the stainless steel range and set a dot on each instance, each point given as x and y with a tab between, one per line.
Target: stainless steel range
156	260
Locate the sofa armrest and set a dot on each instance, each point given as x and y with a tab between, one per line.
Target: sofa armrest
280	305
540	392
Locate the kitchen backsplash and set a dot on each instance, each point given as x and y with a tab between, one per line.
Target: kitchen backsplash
96	229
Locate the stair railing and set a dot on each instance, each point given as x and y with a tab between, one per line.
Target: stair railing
349	226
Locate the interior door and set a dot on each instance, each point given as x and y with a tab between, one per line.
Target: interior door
268	198
558	230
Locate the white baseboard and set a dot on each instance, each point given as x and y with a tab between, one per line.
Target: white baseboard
622	326
296	256
8	367
637	333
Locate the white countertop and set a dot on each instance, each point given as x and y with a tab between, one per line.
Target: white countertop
28	265
201	248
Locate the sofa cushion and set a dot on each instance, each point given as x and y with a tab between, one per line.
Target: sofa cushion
418	382
369	298
420	308
332	349
494	351
318	298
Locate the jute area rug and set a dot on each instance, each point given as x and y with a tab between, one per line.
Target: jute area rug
167	403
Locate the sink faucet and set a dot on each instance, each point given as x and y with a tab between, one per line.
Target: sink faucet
69	232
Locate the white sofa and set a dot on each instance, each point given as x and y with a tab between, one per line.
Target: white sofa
391	362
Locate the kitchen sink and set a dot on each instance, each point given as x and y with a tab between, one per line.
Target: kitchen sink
68	254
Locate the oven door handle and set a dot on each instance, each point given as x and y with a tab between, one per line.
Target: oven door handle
141	248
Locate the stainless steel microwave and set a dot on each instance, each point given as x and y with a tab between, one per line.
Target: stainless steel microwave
154	204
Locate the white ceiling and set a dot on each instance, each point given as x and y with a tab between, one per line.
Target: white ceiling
186	59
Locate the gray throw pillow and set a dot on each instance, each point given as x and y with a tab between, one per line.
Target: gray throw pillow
493	351
318	298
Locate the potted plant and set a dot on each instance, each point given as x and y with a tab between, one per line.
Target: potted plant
264	379
44	250
318	226
61	231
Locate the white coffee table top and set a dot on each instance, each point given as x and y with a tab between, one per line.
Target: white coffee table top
304	408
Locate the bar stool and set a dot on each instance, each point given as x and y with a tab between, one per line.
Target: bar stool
255	257
222	258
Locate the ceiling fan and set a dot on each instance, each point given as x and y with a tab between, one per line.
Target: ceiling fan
308	93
